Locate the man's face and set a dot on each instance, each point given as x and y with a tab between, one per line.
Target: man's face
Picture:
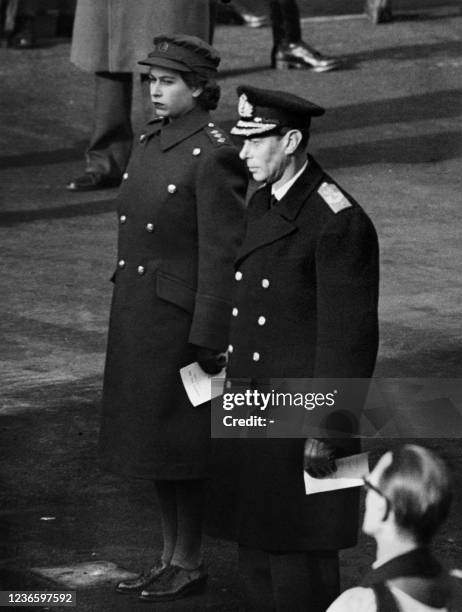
375	502
169	93
266	157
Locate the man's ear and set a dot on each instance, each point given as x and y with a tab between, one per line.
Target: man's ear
293	140
384	509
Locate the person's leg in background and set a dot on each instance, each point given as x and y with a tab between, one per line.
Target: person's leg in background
24	27
379	11
111	140
289	49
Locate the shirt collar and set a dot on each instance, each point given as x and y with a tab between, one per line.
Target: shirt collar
281	191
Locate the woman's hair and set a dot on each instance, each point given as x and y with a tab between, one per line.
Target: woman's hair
418	487
210	95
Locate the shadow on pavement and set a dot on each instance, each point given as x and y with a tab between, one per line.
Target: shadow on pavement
421	149
57	212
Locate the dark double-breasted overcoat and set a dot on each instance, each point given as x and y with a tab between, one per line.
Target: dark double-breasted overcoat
305	306
180	213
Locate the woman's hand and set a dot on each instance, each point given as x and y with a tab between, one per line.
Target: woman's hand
209	360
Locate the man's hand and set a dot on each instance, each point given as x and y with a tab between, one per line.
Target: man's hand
209	360
319	458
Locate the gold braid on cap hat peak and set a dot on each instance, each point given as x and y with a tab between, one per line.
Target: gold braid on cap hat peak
256	127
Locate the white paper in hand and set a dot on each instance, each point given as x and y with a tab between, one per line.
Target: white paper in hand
350	473
198	385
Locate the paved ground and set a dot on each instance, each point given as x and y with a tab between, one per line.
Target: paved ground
392	138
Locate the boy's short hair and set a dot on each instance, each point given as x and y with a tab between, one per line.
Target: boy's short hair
418	487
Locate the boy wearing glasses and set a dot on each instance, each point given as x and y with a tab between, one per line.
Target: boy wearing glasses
408	498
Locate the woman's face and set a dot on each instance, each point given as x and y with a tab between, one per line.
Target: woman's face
170	94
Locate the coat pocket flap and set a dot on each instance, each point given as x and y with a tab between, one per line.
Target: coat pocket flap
175	291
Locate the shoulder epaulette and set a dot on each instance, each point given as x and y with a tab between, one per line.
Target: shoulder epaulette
333	197
216	134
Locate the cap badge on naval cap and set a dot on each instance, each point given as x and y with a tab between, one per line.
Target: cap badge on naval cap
244	108
162	46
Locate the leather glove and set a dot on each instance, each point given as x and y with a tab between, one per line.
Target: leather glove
319	458
209	360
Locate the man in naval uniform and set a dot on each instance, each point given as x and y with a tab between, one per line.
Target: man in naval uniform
305	306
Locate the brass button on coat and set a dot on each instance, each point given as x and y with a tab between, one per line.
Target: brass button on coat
261	320
265	283
141	270
125	176
256	356
235	312
123	218
196	151
150	227
121	263
171	188
142	137
238	275
230	348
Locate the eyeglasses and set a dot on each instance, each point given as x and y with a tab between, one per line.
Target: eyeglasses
367	484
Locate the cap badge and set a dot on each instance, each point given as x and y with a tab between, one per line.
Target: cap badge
245	108
163	46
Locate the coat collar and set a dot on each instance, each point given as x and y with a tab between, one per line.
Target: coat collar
268	225
289	206
418	574
176	131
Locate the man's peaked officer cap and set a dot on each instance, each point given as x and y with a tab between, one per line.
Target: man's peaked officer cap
183	53
263	112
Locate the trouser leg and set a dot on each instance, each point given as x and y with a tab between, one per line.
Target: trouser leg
213	16
304	581
255	580
285	21
111	140
288	582
9	10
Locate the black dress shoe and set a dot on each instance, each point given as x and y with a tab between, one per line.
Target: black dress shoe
301	55
142	580
174	583
91	181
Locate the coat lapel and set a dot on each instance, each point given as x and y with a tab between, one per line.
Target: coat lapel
268	225
290	205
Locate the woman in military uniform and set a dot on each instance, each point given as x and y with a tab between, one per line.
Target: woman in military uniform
180	221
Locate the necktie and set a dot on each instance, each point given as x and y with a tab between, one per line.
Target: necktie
273	200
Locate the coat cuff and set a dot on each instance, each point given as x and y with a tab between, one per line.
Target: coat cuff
210	325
